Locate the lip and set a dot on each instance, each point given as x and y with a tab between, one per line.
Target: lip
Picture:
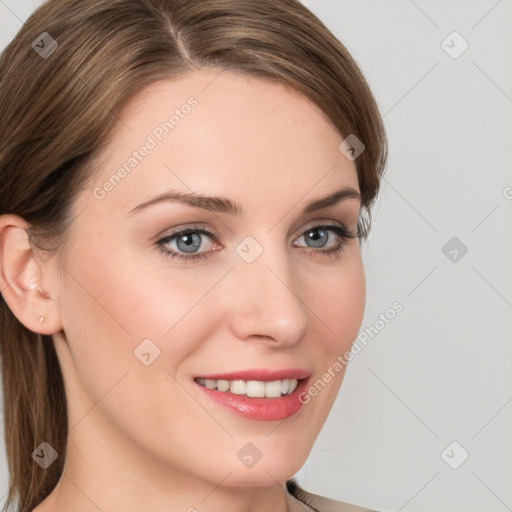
260	408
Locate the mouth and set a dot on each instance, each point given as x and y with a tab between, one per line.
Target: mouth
265	395
252	388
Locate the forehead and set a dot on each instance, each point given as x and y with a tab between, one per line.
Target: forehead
224	133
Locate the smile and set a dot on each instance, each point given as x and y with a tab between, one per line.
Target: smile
251	388
263	394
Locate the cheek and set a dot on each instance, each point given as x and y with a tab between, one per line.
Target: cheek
346	308
109	306
338	299
113	302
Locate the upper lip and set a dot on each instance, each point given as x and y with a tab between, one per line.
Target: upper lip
264	375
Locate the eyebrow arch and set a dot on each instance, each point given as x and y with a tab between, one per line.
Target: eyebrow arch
224	205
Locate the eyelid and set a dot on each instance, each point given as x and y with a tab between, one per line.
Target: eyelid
320	222
190	227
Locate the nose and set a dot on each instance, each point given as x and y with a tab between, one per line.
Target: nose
266	300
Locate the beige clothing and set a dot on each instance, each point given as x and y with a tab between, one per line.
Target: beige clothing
319	503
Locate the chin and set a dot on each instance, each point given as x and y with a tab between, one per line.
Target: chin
273	461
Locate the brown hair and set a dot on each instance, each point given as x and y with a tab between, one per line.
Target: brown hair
58	109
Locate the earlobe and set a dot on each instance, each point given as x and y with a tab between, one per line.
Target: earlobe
20	279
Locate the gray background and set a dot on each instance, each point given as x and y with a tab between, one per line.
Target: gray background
441	370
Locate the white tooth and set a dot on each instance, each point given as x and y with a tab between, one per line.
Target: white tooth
210	383
252	388
255	388
293	385
223	385
237	387
273	389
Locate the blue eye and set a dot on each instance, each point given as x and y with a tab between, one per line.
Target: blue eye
188	242
318	237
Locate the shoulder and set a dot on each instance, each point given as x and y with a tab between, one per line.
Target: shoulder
320	503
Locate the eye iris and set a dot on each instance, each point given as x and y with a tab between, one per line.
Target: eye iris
318	241
192	241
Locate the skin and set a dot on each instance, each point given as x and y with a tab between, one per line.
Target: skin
145	437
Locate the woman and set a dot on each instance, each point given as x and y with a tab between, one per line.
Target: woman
184	189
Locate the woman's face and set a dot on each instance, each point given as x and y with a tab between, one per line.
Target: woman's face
264	295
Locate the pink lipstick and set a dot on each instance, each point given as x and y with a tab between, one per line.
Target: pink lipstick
264	395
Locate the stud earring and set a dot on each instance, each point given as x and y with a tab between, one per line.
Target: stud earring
42	319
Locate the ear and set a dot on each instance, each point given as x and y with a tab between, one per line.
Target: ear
21	279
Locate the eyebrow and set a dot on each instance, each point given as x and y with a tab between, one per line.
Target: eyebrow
225	205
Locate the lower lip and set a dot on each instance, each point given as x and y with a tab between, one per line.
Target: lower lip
263	409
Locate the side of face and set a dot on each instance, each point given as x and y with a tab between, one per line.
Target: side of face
259	297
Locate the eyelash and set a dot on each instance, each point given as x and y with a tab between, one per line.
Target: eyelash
341	232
